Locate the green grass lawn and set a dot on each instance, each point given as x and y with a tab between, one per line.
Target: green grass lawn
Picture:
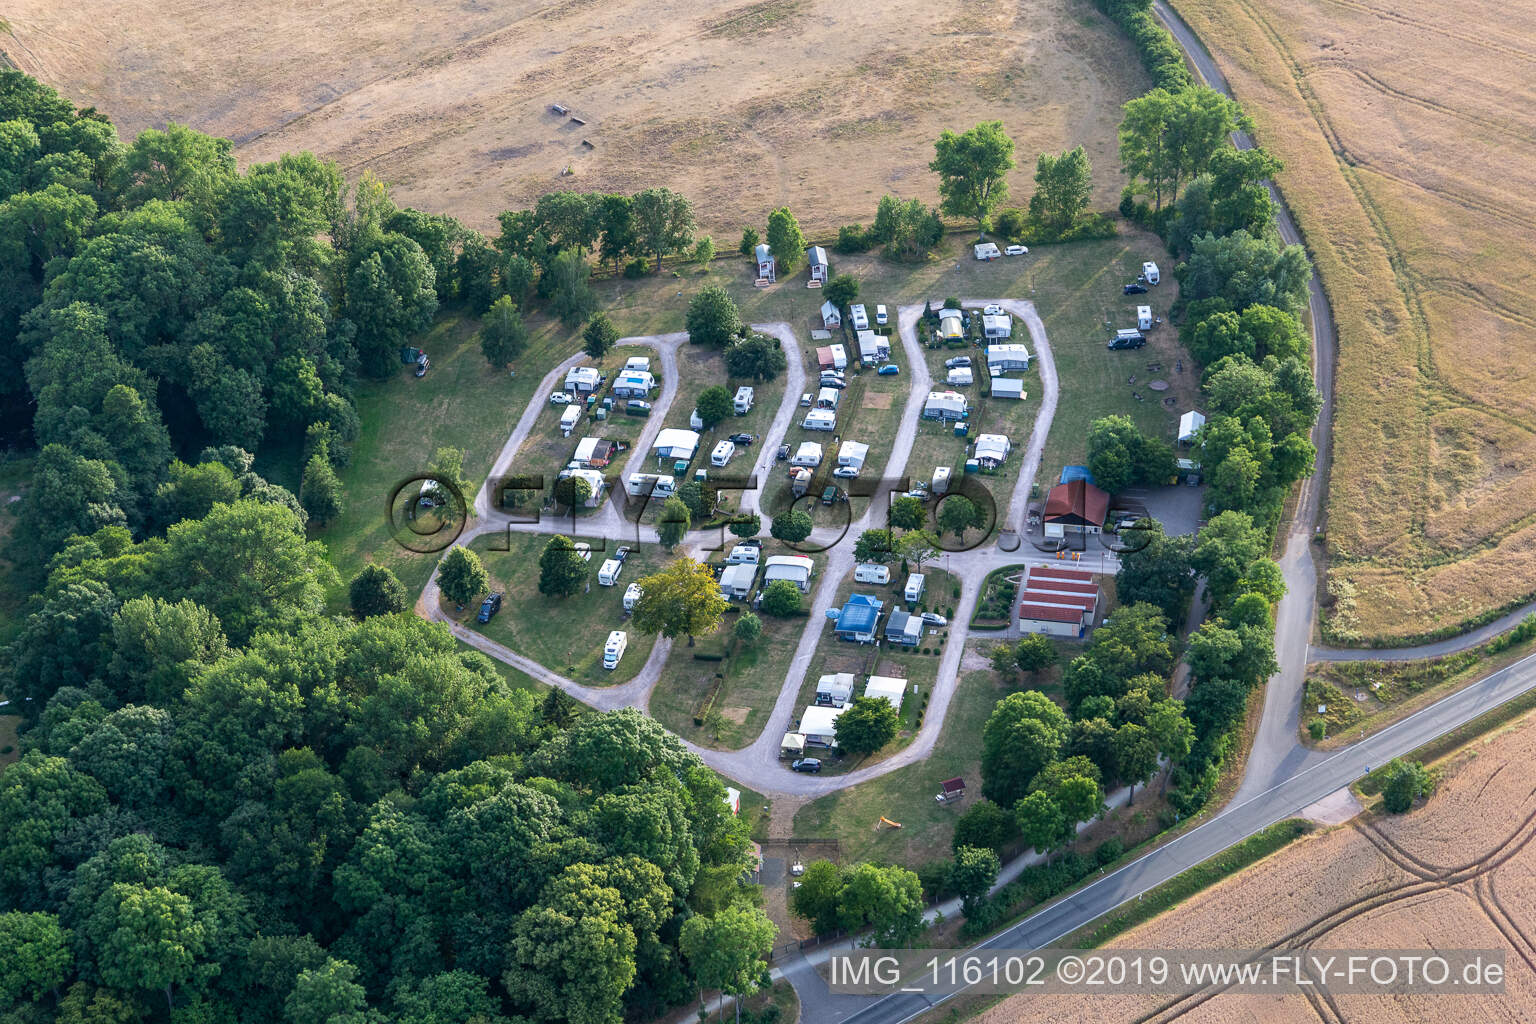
851	816
565	635
546	451
461	403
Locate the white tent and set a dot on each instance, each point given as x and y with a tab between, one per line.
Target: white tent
818	725
585	449
808	454
676	443
793	745
892	689
852	453
1189	425
828	398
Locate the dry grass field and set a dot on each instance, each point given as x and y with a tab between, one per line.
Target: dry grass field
1411	165
743	105
1458	873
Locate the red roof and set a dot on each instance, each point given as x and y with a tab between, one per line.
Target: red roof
1050	613
1079	501
1044	598
952	785
1058	573
1061	586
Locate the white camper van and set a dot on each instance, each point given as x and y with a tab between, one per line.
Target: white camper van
722	454
608	573
1150	272
632	596
613	650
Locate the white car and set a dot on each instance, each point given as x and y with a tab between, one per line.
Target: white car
934	619
846	472
993	311
561	398
1017	250
881	317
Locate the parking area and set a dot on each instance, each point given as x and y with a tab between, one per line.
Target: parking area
1179	507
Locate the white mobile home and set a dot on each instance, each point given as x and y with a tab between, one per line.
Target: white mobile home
996	325
1002	358
834	690
743	400
633	384
608	572
871	572
582	379
945	405
795	568
819	725
736	581
830	317
852	453
723	453
613	650
673	443
888	687
808	455
638	484
569	419
992	449
858	316
940	482
744	553
820	419
913	591
1007	387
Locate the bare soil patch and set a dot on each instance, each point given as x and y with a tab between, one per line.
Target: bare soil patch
1457	873
742	106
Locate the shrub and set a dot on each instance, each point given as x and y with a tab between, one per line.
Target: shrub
1316	728
851	238
1109	851
781	599
637	268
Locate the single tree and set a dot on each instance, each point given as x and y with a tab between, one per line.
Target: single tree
35	957
781	599
749	525
1135	756
572	491
704	251
757	358
749	240
841	291
713	318
1003	660
917	546
792	527
461	577
714	405
1040	822
973	171
663	222
674	523
971	876
785	240
1035	652
320	489
887	900
957	513
748	629
599	335
1403	782
570	293
817	898
874	545
503	337
866	725
375	590
985	825
328	994
1025	732
682	599
908	513
1063	185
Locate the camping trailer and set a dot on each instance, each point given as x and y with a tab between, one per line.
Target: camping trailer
1143	318
613	650
569	419
608	572
743	401
1150	272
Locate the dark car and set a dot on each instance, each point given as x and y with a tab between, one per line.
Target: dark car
745	440
806	764
1135	289
957	361
1132	342
489	607
783	453
621	554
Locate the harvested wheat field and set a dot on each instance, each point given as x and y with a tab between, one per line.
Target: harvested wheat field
743	106
1456	873
1410	150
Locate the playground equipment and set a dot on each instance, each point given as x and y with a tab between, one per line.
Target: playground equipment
889	823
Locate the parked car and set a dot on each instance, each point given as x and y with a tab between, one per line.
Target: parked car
1134	289
846	472
889	370
635	407
805	401
835	383
993	310
806	764
561	398
783	453
743	440
881	316
1016	250
831	495
934	619
1135	342
422	364
621	554
489	607
957	362
918	491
